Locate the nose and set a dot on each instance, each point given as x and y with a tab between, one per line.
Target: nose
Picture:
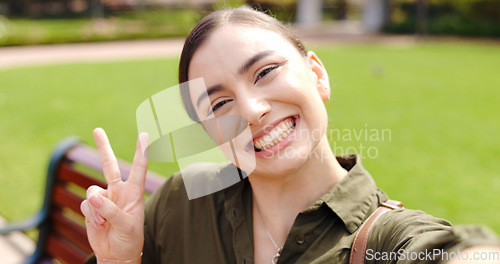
254	109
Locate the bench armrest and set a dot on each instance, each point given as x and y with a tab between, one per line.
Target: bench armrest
21	226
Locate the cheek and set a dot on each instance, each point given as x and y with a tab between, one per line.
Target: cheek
298	88
302	91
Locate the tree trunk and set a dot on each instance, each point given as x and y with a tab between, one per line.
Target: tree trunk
96	9
309	12
375	15
421	18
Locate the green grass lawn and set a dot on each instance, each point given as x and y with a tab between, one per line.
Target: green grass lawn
437	105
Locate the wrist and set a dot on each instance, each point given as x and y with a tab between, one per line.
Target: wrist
110	261
136	260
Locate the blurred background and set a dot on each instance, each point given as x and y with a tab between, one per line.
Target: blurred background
427	72
24	22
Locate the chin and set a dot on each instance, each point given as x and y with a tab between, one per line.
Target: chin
283	162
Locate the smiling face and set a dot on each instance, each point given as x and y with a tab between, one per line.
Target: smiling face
259	75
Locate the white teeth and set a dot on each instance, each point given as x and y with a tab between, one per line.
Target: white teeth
274	136
258	145
274	133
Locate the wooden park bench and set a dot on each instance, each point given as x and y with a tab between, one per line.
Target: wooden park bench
62	236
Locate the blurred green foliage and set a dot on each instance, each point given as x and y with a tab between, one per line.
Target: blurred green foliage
137	24
448	17
134	25
284	10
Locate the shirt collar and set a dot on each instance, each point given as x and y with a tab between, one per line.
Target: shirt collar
350	199
353	196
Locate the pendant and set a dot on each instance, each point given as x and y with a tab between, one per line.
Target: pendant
275	258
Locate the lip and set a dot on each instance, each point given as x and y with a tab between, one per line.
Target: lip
266	129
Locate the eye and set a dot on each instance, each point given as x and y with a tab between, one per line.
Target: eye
218	105
264	71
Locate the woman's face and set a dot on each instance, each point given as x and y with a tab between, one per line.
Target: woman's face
259	75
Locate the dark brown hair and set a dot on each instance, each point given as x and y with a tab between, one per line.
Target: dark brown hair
242	15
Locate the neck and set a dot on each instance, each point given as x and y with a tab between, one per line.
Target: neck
281	199
303	186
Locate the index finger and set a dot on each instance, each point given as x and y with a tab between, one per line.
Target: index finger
108	160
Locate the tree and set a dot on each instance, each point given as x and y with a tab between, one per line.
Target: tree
309	12
96	9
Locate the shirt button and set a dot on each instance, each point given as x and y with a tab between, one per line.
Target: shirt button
301	239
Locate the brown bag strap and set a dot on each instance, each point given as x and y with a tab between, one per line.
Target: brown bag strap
360	243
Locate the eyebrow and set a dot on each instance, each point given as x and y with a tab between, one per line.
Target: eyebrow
210	90
249	63
254	60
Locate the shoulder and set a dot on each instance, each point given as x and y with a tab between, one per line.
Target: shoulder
411	233
401	225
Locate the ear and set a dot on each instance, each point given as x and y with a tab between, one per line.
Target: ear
320	75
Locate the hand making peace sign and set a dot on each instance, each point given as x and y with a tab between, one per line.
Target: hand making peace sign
114	217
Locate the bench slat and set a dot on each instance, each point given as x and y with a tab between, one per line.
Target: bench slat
65	199
67	173
64	251
72	231
90	157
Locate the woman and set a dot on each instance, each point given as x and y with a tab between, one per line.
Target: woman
302	207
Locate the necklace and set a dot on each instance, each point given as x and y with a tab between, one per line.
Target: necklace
275	258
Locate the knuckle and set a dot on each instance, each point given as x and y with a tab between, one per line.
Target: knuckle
92	190
142	166
108	210
107	162
113	213
111	172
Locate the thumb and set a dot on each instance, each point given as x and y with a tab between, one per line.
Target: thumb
108	210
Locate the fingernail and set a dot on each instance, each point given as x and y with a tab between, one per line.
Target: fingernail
99	218
144	142
97	130
96	201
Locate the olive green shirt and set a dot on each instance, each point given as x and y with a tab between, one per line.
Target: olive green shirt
217	228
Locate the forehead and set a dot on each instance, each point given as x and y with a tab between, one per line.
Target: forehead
231	45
